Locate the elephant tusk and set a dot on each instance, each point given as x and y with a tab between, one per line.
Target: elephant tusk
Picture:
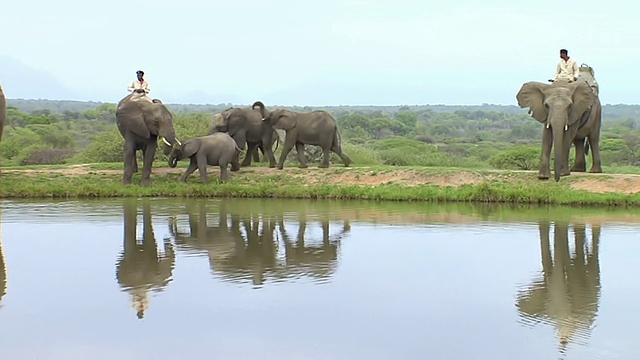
566	127
178	142
547	125
165	141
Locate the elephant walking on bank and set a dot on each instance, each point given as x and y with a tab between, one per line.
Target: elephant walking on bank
571	113
141	123
246	126
312	128
215	149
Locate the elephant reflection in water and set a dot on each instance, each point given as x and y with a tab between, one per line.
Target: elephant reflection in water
319	260
567	295
3	271
247	248
141	268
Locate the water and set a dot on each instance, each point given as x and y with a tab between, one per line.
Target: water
276	279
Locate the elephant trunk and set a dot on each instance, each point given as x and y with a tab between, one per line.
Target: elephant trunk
174	157
559	150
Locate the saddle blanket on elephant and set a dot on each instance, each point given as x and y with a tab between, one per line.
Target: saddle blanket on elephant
586	73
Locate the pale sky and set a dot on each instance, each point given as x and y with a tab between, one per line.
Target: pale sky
330	52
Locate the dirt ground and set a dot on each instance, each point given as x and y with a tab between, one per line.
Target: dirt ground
620	183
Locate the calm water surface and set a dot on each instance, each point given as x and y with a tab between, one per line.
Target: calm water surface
274	279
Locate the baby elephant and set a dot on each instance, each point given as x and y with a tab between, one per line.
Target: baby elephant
215	149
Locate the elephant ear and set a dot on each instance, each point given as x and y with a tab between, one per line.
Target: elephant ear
235	121
240	138
189	148
531	96
132	118
582	99
283	119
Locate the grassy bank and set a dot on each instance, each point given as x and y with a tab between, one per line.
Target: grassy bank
395	183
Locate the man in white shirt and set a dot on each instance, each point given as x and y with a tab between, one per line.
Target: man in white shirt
139	88
567	68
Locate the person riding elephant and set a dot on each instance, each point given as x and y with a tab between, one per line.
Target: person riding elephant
215	149
312	128
571	113
139	88
141	123
247	128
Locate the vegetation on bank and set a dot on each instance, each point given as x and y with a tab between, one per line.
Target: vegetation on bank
435	139
103	181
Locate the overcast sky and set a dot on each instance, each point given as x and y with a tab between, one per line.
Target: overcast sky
328	52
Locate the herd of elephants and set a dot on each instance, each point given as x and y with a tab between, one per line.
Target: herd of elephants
570	111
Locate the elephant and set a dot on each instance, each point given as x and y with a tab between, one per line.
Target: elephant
141	123
568	291
572	113
3	111
215	149
312	128
246	127
140	268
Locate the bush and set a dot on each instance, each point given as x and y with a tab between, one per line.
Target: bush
106	147
517	157
37	156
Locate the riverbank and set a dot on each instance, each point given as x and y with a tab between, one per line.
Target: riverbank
371	183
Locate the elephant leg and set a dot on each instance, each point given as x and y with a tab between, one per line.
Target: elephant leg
256	154
224	174
302	157
201	161
346	160
235	161
148	153
267	150
135	164
129	158
190	169
251	148
288	145
566	143
580	164
594	144
545	154
324	163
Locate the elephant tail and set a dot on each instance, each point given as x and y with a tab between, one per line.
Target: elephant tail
277	139
337	138
586	147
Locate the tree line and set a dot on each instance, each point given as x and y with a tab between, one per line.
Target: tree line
468	136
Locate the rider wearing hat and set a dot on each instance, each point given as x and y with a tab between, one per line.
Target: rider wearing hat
139	88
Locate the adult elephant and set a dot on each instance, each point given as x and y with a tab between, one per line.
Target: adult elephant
3	111
571	113
312	128
246	127
141	123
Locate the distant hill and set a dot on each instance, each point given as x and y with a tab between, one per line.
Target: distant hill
24	82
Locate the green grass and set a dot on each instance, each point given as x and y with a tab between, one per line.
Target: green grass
513	187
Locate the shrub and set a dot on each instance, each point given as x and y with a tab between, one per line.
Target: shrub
517	157
36	156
